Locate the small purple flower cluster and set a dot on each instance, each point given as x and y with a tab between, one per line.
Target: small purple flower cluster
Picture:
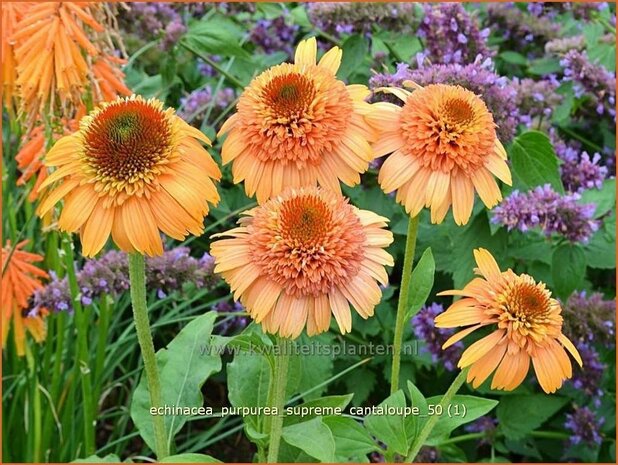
536	100
588	379
451	35
496	91
154	19
486	425
348	18
274	35
522	27
591	80
590	318
584	426
552	212
194	105
109	275
231	324
578	170
424	328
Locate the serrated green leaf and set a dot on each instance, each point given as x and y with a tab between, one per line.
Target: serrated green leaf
568	268
390	429
520	415
354	49
351	439
184	368
312	437
421	283
534	161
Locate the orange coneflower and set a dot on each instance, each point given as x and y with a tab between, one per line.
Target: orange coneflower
56	44
526	322
131	170
298	125
444	147
303	255
20	278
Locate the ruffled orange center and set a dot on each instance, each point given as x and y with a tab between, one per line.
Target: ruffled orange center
448	127
528	310
294	116
126	143
308	243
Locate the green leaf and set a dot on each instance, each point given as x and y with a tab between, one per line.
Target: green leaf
248	376
415	423
351	439
421	283
390	429
544	66
520	415
217	35
604	198
313	437
109	458
354	50
316	367
184	368
340	402
189	458
568	268
464	409
534	161
513	58
601	250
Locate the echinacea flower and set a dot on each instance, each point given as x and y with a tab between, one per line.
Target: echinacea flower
20	278
298	125
526	325
133	169
303	255
443	147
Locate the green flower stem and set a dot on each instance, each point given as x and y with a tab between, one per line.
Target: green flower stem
277	396
82	363
137	279
402	305
433	419
233	79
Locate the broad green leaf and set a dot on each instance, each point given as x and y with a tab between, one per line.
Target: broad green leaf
414	423
568	266
351	439
544	66
189	458
316	367
520	415
184	367
534	161
313	437
109	458
421	283
604	198
248	376
513	58
463	409
601	249
390	429
354	50
299	414
217	35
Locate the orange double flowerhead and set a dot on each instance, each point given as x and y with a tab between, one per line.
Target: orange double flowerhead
20	278
443	147
133	170
298	125
302	256
526	324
